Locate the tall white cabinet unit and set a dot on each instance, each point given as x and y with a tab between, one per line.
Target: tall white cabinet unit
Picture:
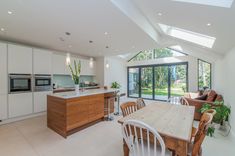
20	104
42	61
20	59
86	69
3	81
40	101
59	65
42	64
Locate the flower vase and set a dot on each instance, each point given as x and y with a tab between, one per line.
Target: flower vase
77	89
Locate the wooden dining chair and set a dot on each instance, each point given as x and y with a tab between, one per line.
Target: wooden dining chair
142	140
195	147
184	101
128	108
174	100
211	111
140	103
194	130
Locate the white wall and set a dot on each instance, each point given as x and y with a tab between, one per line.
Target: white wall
192	67
117	71
225	81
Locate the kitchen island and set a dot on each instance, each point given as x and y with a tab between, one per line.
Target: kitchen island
69	112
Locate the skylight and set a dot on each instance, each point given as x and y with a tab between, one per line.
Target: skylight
217	3
190	36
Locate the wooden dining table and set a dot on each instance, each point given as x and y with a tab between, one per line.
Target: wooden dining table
173	122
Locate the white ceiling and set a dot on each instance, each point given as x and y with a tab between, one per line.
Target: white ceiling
42	22
194	17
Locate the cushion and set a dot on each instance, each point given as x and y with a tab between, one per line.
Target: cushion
219	98
211	96
206	92
202	97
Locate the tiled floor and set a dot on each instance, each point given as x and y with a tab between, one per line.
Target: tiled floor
31	137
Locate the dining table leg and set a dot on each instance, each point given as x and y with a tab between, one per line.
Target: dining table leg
125	148
182	148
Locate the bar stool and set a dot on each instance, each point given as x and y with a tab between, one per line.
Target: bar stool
109	99
118	102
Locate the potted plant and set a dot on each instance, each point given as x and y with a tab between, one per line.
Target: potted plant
75	73
115	85
222	115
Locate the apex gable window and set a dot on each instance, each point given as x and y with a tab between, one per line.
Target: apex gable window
204	74
156	54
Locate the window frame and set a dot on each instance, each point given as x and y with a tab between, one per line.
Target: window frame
198	60
155	56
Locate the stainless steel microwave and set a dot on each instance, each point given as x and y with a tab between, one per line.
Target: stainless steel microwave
42	83
20	83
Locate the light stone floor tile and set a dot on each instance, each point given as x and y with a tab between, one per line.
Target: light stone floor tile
31	137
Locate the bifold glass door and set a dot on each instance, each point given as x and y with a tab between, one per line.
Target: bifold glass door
178	80
158	82
133	82
161	83
147	82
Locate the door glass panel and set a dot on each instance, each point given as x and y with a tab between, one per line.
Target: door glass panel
161	82
133	75
147	82
178	80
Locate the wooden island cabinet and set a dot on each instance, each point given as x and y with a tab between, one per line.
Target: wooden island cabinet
68	112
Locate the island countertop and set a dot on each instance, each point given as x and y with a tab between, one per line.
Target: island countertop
69	112
73	94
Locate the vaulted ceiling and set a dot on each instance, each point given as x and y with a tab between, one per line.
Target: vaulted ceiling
114	26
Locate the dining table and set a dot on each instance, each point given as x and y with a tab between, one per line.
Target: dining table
173	122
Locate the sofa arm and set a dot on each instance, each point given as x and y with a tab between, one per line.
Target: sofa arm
198	105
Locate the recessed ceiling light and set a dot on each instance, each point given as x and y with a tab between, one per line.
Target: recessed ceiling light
106	33
208	24
90	41
159	14
9	12
68	33
2	29
107	47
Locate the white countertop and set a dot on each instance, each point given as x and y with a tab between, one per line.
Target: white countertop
72	94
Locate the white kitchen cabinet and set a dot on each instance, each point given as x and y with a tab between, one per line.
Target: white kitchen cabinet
40	101
42	61
86	69
19	59
3	106
59	64
3	69
20	104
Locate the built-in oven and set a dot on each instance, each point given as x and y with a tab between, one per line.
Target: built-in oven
20	83
42	83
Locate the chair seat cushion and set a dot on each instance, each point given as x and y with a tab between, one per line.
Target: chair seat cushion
211	96
202	97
